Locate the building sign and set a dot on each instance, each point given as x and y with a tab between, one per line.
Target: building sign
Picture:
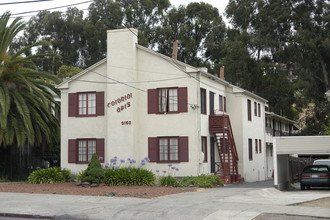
121	103
126	123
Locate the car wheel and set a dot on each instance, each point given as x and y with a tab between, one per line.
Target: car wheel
308	187
302	187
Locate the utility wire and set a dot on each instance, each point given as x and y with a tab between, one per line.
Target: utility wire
14	3
51	8
149	81
119	82
26	16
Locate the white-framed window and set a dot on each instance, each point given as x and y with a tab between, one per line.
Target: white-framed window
168	100
168	149
204	148
86	149
87	103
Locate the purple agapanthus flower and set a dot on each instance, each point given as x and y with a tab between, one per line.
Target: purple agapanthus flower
164	171
147	159
177	169
157	171
173	168
122	161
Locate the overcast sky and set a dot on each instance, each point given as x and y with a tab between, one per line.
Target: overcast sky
26	7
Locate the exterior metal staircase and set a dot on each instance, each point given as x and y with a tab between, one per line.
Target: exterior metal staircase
227	166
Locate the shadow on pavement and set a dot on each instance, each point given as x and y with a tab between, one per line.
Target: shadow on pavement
259	184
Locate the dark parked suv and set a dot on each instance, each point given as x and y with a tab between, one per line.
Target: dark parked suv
315	175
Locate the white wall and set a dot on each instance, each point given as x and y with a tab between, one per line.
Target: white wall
302	144
254	170
121	66
81	127
160	74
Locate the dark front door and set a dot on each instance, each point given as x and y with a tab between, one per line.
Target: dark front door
212	145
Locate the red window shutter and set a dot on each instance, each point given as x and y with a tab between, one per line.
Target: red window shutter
153	149
100	103
152	101
73	104
183	149
72	151
183	99
100	149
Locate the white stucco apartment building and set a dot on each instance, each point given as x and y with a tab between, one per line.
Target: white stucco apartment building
138	103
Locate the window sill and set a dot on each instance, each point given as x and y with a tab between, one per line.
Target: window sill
82	162
86	116
165	113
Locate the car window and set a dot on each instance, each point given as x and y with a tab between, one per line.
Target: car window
316	169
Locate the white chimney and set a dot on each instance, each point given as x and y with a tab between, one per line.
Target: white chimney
121	47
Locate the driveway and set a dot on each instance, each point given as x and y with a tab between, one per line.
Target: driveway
241	201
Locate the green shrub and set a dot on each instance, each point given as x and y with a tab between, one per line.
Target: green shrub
49	175
129	176
187	181
94	172
3	178
204	181
168	181
66	174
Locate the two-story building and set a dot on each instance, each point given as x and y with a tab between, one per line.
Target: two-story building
276	126
138	103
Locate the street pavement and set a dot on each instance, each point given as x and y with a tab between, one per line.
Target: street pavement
236	202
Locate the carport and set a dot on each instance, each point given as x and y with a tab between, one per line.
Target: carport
283	147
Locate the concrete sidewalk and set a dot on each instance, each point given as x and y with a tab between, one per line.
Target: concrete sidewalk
239	202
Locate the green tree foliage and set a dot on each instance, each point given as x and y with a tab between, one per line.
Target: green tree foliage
278	49
26	94
65	31
199	30
67	71
145	15
289	43
103	15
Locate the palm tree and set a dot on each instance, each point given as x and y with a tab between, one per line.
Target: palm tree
27	102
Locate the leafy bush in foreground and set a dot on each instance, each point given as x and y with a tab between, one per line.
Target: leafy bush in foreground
129	176
49	175
204	181
94	172
168	181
